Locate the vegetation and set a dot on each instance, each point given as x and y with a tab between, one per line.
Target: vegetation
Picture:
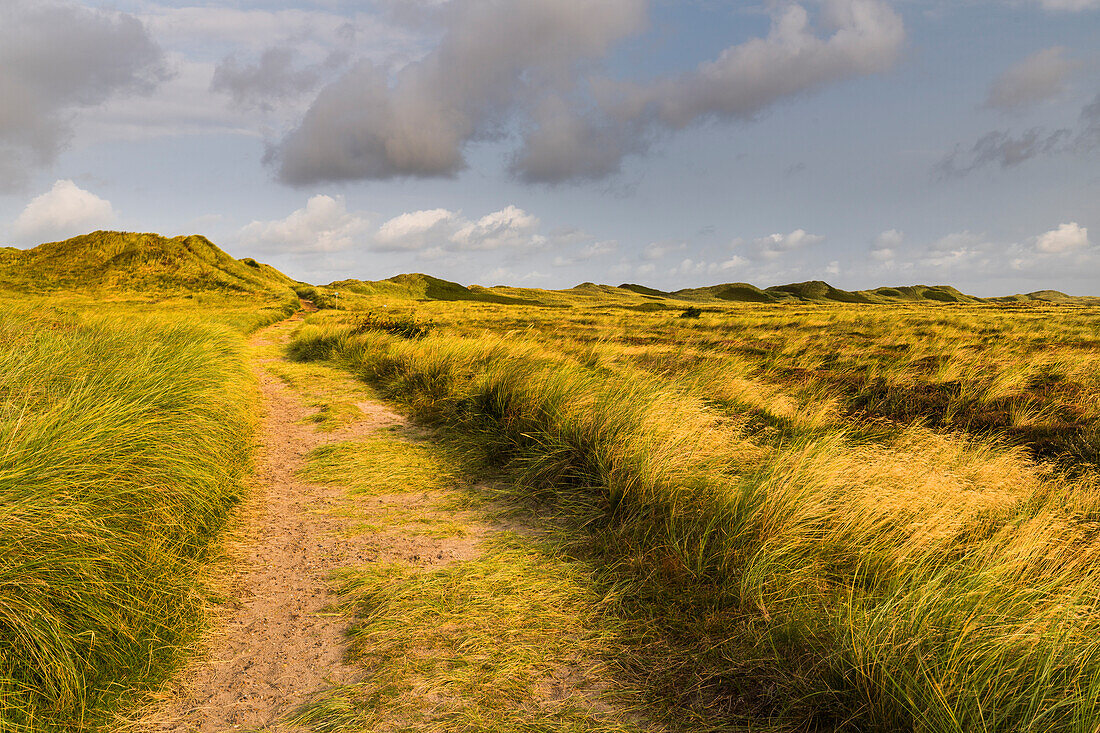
135	263
126	416
791	508
125	445
822	516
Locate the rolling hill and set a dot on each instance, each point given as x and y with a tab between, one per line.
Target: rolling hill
135	263
632	295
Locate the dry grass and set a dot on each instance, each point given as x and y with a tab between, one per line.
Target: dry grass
847	497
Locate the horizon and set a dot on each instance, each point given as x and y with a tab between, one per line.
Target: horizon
623	285
863	143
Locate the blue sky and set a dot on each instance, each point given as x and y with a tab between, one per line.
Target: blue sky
547	142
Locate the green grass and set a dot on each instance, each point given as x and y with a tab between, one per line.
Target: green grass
112	262
126	438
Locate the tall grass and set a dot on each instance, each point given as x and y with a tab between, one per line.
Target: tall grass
123	444
929	582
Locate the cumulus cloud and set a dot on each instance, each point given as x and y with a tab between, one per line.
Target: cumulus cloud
58	57
744	79
416	230
774	246
509	227
64	211
535	64
887	244
490	59
1066	238
569	143
323	225
326	225
1037	78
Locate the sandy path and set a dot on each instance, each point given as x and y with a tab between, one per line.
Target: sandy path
274	645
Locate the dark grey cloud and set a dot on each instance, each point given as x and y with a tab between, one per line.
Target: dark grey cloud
1007	150
57	57
273	78
277	76
492	58
534	62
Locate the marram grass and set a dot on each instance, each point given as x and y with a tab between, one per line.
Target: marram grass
123	444
918	581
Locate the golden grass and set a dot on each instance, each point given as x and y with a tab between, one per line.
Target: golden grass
857	486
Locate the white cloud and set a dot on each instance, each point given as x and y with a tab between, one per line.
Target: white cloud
416	230
733	263
1066	238
64	211
324	225
659	250
510	227
774	246
887	244
1037	78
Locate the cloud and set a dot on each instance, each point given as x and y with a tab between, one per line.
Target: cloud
58	57
64	211
886	245
1063	252
569	143
1039	77
592	251
1066	238
747	78
273	78
774	246
1008	150
509	227
416	230
324	225
659	250
532	65
491	58
1004	149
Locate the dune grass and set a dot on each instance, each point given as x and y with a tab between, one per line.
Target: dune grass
513	640
903	578
125	433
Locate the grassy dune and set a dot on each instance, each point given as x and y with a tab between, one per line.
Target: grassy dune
126	413
125	442
819	562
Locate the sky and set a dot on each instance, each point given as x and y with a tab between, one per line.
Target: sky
544	143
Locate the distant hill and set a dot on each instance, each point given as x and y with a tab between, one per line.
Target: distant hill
418	286
131	262
640	297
